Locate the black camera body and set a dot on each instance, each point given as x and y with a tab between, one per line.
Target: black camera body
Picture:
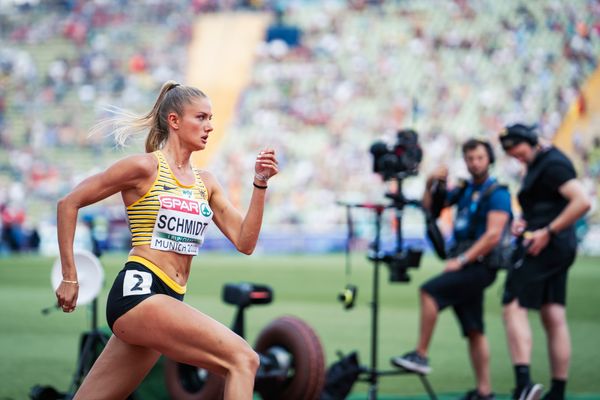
400	160
397	162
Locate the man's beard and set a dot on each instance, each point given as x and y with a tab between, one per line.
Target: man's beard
479	176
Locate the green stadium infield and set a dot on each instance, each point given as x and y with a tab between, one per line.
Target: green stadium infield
37	349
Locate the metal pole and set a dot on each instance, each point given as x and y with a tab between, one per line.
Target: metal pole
399	206
95	314
375	306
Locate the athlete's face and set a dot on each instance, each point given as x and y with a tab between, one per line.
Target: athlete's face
477	161
195	123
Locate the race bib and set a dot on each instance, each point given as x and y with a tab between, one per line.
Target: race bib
180	225
136	283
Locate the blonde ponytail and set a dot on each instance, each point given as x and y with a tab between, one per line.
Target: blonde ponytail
158	125
126	124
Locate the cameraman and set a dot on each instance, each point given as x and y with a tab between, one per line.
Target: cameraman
552	200
483	213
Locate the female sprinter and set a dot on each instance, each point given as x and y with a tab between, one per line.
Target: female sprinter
169	205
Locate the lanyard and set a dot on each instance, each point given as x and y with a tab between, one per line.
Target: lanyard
469	214
475	195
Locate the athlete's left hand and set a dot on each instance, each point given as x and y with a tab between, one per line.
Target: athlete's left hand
266	165
537	241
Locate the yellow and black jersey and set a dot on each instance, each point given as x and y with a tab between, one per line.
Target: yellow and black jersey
168	195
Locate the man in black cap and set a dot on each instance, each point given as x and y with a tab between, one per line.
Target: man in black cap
552	200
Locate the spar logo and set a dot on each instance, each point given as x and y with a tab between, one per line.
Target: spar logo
179	204
205	210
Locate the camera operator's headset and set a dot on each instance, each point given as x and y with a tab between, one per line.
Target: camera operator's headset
489	150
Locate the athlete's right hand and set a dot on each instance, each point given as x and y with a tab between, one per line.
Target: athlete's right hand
66	294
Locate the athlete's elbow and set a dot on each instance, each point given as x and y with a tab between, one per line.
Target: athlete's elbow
61	203
247	250
64	203
246	247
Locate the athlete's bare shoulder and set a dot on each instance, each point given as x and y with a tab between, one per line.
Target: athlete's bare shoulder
205	175
138	166
210	181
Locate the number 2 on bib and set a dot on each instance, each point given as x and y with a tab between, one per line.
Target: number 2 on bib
136	283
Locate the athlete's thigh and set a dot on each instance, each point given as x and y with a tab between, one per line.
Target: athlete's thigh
181	333
117	372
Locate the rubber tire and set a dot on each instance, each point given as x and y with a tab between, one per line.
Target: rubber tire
301	341
179	387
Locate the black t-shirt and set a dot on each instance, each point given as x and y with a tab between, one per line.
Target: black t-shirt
539	196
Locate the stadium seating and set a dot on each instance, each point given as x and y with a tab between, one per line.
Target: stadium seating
449	70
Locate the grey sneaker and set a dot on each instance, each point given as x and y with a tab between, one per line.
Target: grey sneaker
533	391
412	361
475	395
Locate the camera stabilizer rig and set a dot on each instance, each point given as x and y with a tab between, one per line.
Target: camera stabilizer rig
398	264
398	162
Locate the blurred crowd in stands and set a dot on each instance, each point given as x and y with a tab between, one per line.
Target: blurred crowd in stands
362	70
459	69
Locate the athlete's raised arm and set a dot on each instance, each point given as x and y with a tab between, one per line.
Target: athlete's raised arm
243	231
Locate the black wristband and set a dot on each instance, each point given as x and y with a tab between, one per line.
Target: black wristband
259	186
550	231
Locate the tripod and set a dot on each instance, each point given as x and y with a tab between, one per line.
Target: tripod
372	374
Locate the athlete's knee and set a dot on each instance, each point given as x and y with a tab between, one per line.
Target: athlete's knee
248	359
253	361
245	360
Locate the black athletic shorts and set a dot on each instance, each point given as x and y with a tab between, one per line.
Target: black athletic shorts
541	279
137	281
463	290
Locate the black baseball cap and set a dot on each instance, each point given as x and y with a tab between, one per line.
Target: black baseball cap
512	135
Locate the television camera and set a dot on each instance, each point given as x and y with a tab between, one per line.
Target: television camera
398	161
